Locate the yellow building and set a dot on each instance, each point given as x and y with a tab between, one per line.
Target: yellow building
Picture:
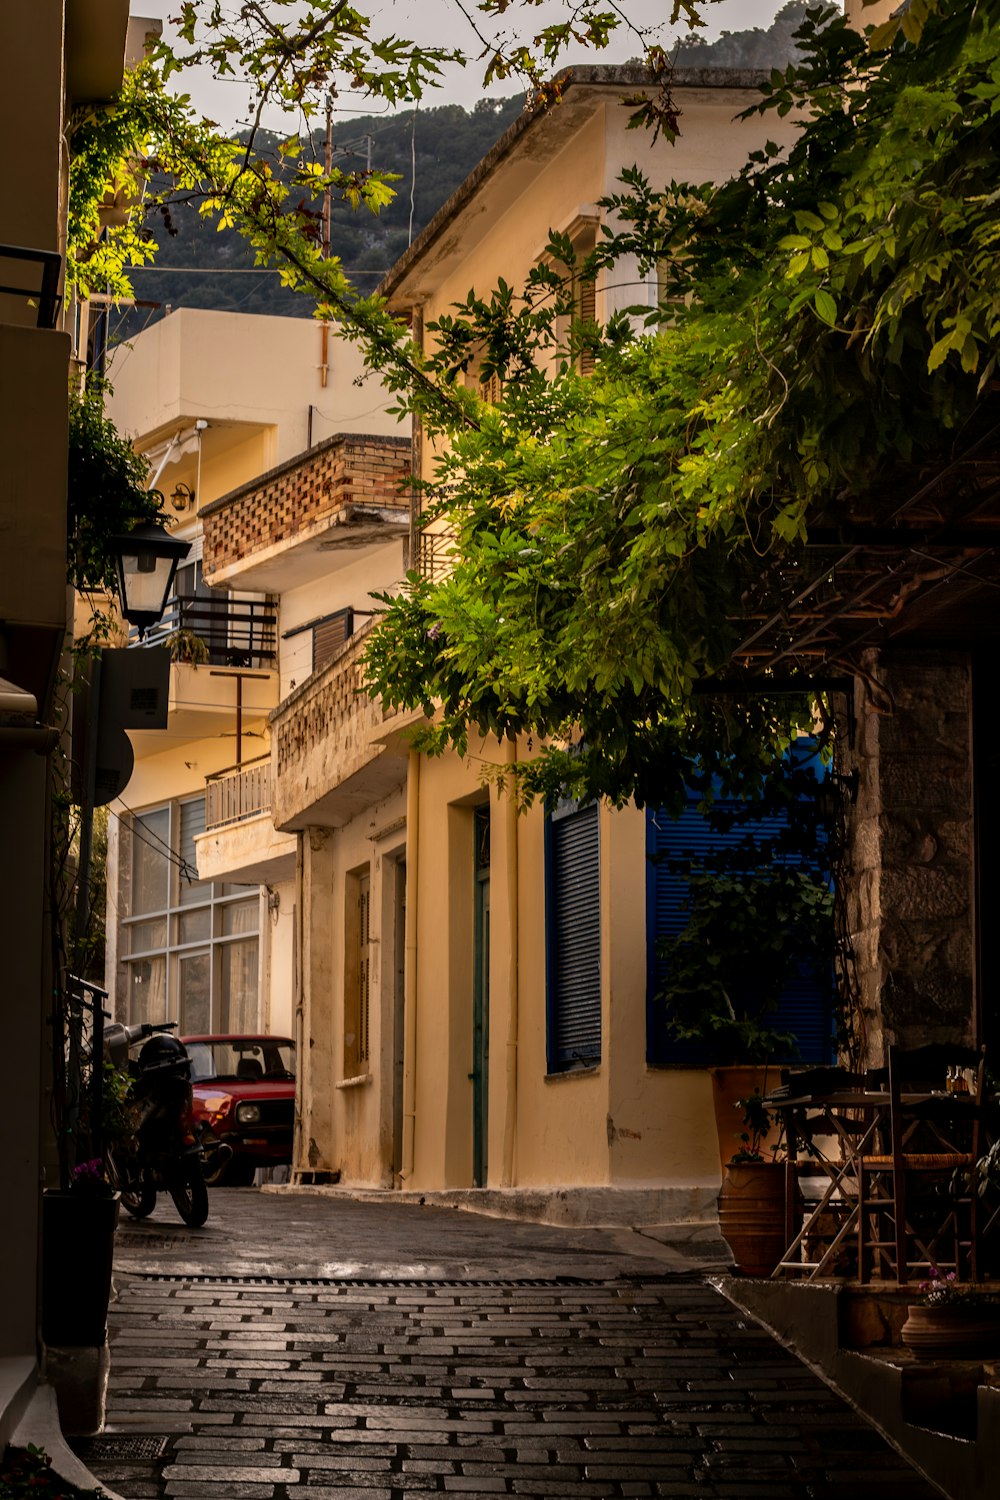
460	1024
215	401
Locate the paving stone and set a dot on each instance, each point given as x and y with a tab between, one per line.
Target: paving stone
627	1386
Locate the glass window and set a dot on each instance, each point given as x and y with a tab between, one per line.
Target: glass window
213	988
142	936
192	891
239	916
148	990
195	986
195	926
239	986
151	861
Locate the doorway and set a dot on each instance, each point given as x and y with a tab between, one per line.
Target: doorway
481	996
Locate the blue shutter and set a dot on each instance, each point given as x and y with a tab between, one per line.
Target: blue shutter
805	1007
573	938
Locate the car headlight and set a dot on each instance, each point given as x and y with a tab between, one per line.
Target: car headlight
247	1114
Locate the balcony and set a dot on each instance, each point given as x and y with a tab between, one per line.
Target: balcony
328	763
237	631
224	665
240	843
434	554
282	529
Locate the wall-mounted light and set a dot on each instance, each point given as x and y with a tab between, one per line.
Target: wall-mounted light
182	498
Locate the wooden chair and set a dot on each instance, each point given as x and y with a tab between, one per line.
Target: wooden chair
917	1201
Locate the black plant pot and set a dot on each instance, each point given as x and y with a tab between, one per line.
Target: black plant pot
78	1241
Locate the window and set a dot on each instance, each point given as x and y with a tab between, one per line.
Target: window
582	235
573	937
357	974
190	948
327	635
806	1006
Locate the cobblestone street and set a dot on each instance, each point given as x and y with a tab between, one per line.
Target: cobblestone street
481	1357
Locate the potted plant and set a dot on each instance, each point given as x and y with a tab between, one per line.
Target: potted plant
752	1196
952	1319
78	1233
187	646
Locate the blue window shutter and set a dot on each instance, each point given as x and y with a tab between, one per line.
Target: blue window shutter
805	1007
573	938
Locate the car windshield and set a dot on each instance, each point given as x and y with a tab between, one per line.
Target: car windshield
249	1060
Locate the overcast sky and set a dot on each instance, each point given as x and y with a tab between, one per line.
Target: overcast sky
440	22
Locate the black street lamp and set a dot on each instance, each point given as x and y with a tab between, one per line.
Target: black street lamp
147	560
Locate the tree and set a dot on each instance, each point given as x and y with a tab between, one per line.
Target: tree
838	329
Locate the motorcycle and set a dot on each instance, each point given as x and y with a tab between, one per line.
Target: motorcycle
164	1153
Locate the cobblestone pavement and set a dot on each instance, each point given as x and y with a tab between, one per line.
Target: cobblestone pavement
553	1363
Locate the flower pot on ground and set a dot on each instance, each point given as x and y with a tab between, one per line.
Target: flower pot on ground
752	1196
78	1235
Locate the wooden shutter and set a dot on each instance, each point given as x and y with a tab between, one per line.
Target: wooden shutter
574	939
586	312
329	634
364	967
804	1008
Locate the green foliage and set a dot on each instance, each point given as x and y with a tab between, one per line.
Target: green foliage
831	328
107	491
756	1124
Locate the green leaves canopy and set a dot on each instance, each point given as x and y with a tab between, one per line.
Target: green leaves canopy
838	330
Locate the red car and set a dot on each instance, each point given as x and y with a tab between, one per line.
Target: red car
244	1090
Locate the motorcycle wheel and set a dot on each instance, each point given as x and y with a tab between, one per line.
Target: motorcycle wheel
138	1202
139	1205
190	1195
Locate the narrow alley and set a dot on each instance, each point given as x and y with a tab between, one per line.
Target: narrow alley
316	1346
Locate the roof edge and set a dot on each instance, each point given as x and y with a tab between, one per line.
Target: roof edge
595	74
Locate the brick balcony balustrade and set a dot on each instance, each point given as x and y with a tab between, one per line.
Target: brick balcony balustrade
324	762
345	489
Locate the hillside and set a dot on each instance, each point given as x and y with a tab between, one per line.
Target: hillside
198	267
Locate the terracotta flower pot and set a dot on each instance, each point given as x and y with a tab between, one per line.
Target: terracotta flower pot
752	1215
952	1332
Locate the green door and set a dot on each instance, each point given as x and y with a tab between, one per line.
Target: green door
481	997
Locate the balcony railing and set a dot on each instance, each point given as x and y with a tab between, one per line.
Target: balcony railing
237	631
238	793
434	554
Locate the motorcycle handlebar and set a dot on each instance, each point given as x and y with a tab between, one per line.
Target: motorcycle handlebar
146	1028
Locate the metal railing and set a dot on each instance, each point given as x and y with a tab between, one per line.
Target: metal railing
238	793
434	554
236	631
47	291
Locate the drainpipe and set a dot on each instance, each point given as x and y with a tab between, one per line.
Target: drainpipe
298	1023
510	1109
410	971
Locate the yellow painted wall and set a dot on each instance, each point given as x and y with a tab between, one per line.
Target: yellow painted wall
231	367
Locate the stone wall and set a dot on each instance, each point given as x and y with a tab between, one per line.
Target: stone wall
345	471
910	882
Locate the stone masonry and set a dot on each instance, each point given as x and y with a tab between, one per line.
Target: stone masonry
910	893
348	471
